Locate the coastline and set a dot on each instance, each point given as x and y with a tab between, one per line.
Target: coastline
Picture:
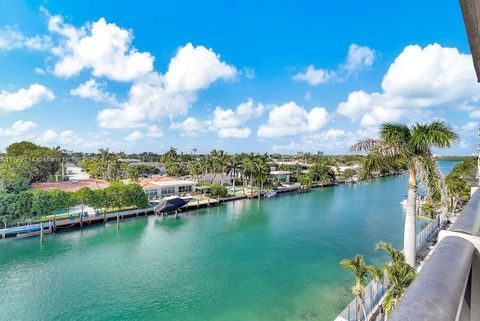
38	228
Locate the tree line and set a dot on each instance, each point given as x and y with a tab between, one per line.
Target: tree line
30	205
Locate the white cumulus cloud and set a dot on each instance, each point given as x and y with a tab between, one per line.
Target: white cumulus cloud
190	126
315	76
24	98
358	58
233	132
195	68
93	90
157	96
134	136
11	39
103	47
418	78
291	119
51	136
154	131
18	128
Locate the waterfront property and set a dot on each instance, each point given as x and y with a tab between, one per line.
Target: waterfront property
232	261
158	187
211	178
280	176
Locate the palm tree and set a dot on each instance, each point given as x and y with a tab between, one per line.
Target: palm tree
234	166
321	172
361	272
170	156
398	274
413	147
399	277
248	164
220	164
195	168
261	171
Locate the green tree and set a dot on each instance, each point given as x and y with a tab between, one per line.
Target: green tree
233	168
349	173
83	197
305	180
217	190
45	161
398	274
458	189
133	173
361	273
42	203
321	173
413	145
15	175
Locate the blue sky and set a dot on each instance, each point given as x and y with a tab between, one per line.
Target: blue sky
268	76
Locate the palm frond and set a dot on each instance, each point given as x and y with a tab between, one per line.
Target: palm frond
396	255
395	134
436	134
365	145
376	272
433	181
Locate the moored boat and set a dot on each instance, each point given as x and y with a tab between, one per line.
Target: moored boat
270	193
170	204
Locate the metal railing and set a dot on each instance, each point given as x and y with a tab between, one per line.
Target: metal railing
448	286
426	233
374	291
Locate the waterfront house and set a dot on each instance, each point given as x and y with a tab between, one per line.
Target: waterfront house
158	187
280	176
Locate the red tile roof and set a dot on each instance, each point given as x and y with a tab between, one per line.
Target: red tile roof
72	186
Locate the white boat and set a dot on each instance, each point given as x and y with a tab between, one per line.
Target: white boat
404	203
270	193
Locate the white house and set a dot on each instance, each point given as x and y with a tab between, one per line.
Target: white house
158	187
281	176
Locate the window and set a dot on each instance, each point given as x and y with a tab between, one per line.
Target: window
151	193
168	191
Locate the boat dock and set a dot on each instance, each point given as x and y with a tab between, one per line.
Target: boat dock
76	220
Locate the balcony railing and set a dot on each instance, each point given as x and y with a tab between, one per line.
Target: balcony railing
448	286
375	290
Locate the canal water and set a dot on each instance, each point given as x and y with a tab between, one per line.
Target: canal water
273	259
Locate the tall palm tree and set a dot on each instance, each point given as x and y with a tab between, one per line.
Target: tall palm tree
220	164
412	146
195	168
261	171
248	164
361	272
234	166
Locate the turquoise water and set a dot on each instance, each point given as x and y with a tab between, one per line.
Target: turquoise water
245	260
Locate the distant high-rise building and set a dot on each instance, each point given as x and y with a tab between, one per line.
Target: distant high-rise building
319	153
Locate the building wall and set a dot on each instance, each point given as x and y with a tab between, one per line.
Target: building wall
165	191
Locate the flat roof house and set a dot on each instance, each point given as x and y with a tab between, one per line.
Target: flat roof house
158	187
281	176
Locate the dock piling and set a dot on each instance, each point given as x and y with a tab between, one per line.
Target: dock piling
41	232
